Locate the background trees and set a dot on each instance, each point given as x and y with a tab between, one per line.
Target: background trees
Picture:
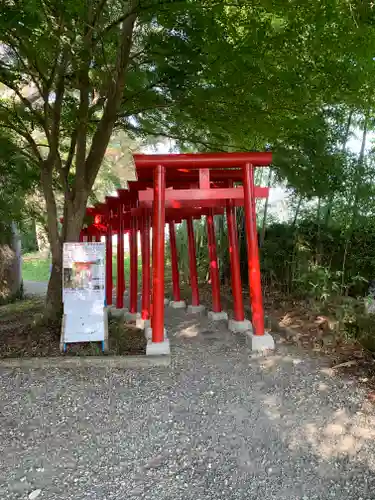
211	74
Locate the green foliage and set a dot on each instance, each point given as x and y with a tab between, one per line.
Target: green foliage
201	247
17	179
266	78
211	74
36	268
307	260
28	237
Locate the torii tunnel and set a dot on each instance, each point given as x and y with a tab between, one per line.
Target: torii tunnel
170	189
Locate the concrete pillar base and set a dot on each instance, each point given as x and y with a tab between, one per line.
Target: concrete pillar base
181	304
261	343
132	317
148	334
158	348
217	316
196	309
166	301
118	313
142	324
240	326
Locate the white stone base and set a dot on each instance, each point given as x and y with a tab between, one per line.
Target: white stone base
118	313
181	304
261	343
148	333
240	326
132	317
158	348
196	309
142	324
217	316
166	301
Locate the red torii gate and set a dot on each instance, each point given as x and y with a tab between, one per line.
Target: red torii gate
176	187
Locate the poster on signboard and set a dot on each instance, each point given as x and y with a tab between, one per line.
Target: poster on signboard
84	293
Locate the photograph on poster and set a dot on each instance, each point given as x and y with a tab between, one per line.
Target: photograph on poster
83	267
84	275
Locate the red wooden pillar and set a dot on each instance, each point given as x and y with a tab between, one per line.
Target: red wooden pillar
81	237
238	309
158	255
214	268
108	266
253	251
145	244
192	263
120	261
133	244
174	263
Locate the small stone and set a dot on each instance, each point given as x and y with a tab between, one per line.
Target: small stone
297	361
34	494
23	479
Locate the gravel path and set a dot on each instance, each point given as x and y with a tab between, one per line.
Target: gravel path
216	424
35	287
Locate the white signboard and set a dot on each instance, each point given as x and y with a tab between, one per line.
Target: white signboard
84	293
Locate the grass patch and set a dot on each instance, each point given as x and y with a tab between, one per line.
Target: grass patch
37	268
23	336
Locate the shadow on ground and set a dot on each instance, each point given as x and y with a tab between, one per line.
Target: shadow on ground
218	423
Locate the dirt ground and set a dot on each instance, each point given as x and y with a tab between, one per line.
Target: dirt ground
300	323
23	334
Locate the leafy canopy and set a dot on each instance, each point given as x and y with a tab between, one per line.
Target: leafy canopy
216	74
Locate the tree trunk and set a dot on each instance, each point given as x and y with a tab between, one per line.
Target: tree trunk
297	212
346	137
358	176
318	246
42	238
264	222
53	310
10	265
86	168
74	213
292	266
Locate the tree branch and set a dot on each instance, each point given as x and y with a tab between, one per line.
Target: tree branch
22	131
97	105
27	136
52	219
56	109
83	112
23	99
51	78
192	140
98	13
135	10
72	149
30	63
63	174
105	126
